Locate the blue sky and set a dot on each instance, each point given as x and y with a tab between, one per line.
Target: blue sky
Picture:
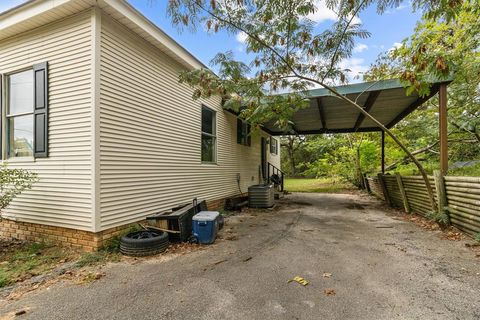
386	30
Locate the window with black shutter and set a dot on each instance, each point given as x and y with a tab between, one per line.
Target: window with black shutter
243	133
27	112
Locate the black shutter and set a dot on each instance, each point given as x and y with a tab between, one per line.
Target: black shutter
249	135
40	116
239	131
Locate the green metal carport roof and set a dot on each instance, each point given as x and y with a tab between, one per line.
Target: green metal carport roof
386	100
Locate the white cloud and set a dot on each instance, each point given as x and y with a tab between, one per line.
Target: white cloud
323	13
241	37
355	20
360	48
395	45
356	66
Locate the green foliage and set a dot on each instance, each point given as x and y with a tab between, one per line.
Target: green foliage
96	258
440	47
13	182
323	185
477	237
30	260
472	171
288	53
339	156
441	217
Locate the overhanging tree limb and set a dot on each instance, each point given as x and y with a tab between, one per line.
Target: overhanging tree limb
261	28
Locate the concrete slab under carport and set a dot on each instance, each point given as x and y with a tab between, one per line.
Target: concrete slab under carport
382	267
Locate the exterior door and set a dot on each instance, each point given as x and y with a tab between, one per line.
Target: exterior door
264	158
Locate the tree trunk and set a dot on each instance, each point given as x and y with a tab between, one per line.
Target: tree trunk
292	156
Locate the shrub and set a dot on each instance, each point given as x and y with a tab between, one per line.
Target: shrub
439	217
13	182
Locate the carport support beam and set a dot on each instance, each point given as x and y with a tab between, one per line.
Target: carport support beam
443	133
383	152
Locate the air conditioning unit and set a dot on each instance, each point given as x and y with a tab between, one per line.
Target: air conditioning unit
261	196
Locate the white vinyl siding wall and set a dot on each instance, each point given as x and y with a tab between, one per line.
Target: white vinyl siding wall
62	197
150	133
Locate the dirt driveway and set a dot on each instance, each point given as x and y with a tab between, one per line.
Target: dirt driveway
361	264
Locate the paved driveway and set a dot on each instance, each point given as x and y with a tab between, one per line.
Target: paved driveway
381	268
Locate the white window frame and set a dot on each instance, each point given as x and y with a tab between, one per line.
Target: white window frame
214	135
6	116
272	139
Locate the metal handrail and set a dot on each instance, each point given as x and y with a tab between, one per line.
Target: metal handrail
277	171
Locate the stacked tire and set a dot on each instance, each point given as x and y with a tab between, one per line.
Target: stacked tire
144	243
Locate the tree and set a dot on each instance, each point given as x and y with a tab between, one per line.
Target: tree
13	182
441	47
288	55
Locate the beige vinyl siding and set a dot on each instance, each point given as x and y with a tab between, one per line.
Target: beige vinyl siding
275	158
150	131
62	197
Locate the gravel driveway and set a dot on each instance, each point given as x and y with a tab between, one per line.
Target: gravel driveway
361	263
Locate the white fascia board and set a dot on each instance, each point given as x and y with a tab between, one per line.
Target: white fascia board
142	22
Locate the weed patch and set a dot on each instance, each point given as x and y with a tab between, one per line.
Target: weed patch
30	260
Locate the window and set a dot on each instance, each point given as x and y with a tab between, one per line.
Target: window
243	133
273	145
26	112
209	138
20	109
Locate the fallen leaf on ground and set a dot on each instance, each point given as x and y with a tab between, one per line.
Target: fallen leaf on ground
329	292
327	275
300	280
452	235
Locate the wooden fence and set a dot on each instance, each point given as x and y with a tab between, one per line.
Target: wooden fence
460	196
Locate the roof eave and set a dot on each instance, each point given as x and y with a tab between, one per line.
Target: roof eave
34	8
27	10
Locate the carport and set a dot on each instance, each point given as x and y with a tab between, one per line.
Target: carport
385	100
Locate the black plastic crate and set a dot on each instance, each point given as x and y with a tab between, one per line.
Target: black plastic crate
180	219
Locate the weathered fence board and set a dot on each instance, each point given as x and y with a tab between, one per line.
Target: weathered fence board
461	197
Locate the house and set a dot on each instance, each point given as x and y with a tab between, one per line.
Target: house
92	103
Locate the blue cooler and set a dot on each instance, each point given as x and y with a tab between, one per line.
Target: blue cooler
205	226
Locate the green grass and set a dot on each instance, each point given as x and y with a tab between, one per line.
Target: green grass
29	260
32	259
472	171
323	185
97	258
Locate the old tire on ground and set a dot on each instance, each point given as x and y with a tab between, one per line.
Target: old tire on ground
144	243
